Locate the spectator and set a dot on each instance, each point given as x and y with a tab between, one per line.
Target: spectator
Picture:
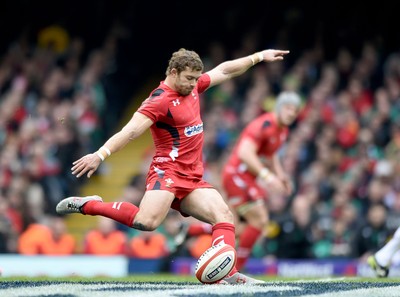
48	237
31	240
59	241
106	239
199	244
340	240
295	238
148	245
8	231
372	234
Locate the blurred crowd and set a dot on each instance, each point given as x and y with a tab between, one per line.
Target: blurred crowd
54	96
343	152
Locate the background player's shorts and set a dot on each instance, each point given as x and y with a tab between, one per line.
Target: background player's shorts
178	184
242	190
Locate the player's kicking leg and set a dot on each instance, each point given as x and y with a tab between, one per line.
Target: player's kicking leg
75	204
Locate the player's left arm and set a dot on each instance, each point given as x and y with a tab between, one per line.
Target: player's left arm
233	68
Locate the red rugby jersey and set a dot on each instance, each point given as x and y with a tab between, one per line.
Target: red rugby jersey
178	128
266	134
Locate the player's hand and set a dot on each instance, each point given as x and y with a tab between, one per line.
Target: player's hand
287	183
274	185
88	163
272	55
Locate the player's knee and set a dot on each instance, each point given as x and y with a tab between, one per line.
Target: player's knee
145	225
264	222
257	218
259	223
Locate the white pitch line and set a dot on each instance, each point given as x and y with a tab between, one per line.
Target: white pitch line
172	290
392	291
143	290
321	280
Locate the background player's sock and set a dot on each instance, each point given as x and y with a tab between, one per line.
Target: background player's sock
247	239
199	229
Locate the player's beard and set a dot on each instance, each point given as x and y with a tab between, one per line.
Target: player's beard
184	91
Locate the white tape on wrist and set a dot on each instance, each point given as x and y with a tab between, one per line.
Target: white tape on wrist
264	173
260	56
100	156
107	150
252	60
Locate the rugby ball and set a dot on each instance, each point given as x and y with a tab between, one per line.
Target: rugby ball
215	263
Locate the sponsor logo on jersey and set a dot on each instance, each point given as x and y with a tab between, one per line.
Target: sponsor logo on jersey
162	159
194	130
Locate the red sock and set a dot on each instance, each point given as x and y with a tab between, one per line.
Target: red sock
247	239
224	232
122	212
199	229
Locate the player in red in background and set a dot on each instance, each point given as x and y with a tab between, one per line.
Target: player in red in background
246	176
175	177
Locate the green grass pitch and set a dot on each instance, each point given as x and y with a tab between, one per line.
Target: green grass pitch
165	285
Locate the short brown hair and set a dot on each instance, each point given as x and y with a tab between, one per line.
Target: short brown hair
185	58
